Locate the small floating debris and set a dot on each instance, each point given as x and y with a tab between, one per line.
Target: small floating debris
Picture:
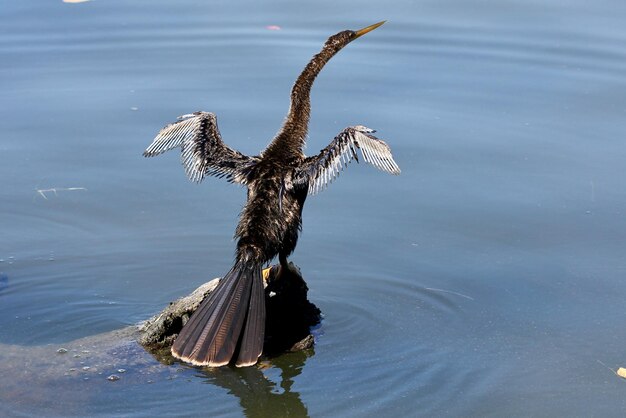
121	370
620	372
62	350
432	289
86	368
55	190
113	378
134	108
273	27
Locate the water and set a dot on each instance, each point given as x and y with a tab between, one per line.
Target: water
486	280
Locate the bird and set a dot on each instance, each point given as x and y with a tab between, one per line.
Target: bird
229	325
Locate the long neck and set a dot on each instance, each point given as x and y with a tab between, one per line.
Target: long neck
292	136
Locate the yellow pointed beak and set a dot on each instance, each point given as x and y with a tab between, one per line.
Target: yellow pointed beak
370	28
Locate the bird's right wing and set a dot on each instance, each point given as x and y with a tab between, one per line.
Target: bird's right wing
203	151
321	169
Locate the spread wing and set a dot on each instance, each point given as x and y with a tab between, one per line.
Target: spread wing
322	169
203	151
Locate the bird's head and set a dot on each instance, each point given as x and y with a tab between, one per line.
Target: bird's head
343	38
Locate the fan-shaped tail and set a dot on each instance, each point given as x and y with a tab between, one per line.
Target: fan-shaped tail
231	318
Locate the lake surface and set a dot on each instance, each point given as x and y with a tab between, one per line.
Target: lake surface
487	280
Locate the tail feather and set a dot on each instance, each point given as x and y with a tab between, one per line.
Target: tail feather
218	339
195	333
254	332
210	337
230	328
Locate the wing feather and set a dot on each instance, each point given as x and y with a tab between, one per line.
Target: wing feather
203	152
320	170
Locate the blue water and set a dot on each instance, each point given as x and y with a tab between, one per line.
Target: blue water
487	280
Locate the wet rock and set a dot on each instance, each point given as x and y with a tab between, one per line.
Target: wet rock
306	343
290	315
161	330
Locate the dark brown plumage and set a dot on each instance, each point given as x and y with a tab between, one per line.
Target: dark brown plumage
231	321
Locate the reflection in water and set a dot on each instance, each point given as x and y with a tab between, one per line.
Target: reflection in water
259	395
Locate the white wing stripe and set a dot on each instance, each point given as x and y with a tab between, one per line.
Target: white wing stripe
203	152
331	161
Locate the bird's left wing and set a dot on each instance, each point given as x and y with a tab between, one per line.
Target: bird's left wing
320	170
203	151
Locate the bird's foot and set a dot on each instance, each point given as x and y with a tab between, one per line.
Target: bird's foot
266	274
278	271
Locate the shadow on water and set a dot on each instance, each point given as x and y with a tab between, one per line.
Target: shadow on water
266	390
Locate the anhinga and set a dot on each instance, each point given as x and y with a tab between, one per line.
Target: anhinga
230	323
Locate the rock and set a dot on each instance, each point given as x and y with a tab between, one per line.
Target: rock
161	330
